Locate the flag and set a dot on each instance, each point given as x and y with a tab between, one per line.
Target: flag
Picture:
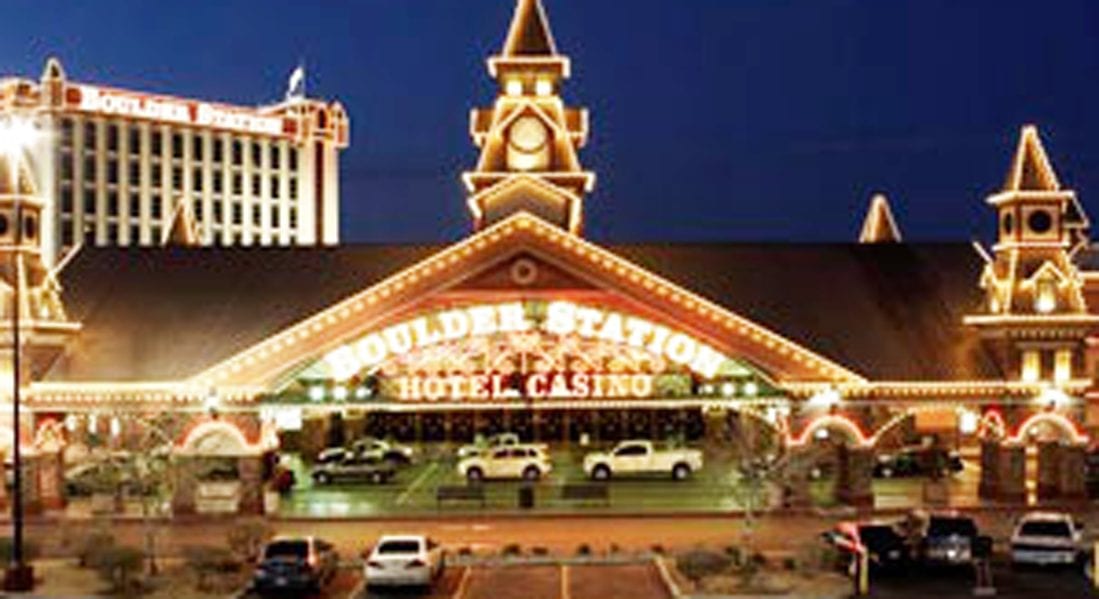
295	86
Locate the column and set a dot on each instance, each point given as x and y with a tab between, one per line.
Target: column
51	480
1073	472
250	469
855	475
1012	469
1049	470
989	487
183	496
32	496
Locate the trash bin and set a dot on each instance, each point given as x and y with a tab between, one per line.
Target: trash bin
526	497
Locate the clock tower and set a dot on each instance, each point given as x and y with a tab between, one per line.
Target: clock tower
529	139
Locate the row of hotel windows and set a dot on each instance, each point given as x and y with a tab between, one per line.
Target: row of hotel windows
156	140
224	235
197	181
156	208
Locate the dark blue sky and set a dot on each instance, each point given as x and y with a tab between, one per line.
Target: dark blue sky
712	119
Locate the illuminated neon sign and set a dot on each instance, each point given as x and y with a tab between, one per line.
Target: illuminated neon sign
562	318
556	385
93	99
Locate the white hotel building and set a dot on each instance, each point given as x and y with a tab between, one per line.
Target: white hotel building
117	167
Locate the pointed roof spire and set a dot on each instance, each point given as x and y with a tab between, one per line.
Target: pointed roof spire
879	225
1031	169
53	69
15	177
529	34
183	229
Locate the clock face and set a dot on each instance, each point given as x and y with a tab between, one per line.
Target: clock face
528	134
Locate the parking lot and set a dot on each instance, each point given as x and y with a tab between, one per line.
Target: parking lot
1059	582
714	488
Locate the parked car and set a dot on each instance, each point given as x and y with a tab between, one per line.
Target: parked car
630	458
945	538
398	454
1046	538
403	560
917	461
887	547
492	442
295	564
522	461
371	468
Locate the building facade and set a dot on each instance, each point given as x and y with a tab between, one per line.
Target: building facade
527	326
115	167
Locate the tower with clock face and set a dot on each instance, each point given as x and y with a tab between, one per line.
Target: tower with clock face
529	139
1035	314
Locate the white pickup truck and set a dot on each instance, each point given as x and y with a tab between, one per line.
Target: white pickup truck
631	458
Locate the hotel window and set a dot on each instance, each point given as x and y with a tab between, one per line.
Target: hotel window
275	157
89	203
66	168
196	179
238	213
238	152
275	187
177	177
196	148
177	145
112	137
217	182
198	210
135	140
1032	366
155	206
156	174
89	134
238	184
255	185
257	154
217	212
276	215
257	214
67	200
154	232
135	172
293	159
1062	365
135	206
217	149
135	234
67	133
89	169
112	171
293	188
66	233
156	143
112	203
294	219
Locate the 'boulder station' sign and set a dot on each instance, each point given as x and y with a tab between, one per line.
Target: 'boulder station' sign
186	112
561	318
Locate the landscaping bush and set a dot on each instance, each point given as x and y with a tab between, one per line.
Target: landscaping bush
736	554
7	547
697	564
208	562
614	549
584	549
91	547
246	538
790	564
465	551
539	551
512	549
658	549
121	568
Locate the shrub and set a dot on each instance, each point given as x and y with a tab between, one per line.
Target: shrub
736	554
246	538
512	549
465	550
91	547
7	547
614	548
209	561
790	564
697	564
539	551
658	549
121	567
584	549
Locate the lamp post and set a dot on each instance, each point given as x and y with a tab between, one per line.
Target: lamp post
14	137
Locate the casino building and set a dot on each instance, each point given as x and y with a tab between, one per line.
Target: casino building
117	167
527	326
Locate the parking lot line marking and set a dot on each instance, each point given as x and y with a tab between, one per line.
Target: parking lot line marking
460	592
416	483
565	594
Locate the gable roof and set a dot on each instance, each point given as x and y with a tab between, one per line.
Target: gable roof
529	34
879	226
889	312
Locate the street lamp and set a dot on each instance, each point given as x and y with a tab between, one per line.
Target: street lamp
16	135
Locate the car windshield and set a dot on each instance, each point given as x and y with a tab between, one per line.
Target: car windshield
1045	529
952	526
391	547
298	549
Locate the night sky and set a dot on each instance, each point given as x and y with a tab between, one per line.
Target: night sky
711	119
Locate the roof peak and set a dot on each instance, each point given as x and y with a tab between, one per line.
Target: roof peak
1031	169
183	230
879	226
529	34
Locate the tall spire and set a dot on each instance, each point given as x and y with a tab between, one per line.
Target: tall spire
529	34
1031	169
182	230
879	226
529	139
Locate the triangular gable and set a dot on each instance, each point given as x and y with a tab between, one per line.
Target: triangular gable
312	337
533	184
879	225
183	229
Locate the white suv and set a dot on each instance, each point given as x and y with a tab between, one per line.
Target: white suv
528	462
1045	538
403	560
